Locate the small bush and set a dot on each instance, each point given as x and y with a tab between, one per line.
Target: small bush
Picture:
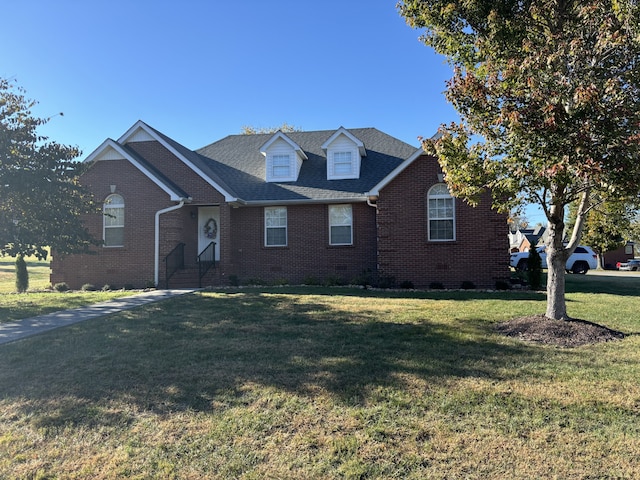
22	275
386	281
365	278
150	284
279	282
310	280
61	287
436	286
333	281
407	285
107	288
234	281
534	272
127	286
502	285
88	287
467	285
256	282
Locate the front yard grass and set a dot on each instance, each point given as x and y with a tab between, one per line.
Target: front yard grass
324	383
38	300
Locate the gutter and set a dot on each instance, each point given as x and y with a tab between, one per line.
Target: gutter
307	201
156	256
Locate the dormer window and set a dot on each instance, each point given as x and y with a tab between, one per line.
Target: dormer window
342	164
283	159
281	166
344	155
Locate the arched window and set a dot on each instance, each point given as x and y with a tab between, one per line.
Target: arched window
113	215
441	213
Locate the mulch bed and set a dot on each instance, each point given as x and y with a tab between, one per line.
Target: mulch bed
561	333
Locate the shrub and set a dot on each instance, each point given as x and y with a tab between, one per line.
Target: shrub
467	285
310	280
365	278
234	281
502	285
88	287
22	275
61	287
107	288
150	284
534	271
408	285
333	281
386	281
436	286
127	286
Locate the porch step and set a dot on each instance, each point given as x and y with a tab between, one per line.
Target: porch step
188	278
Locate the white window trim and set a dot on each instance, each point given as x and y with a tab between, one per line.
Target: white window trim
272	166
106	206
341	225
286	227
354	164
434	196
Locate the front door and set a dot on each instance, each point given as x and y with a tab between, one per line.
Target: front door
209	228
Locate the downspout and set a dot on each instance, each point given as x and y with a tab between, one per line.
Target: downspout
156	266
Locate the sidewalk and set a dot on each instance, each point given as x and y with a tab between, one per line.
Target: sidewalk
26	327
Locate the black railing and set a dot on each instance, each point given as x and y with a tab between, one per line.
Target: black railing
174	261
206	260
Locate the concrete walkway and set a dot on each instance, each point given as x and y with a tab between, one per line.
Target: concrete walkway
26	327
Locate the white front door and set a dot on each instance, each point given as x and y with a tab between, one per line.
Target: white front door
209	228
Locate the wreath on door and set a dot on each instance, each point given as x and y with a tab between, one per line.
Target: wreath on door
211	228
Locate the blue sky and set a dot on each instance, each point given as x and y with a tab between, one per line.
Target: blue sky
199	70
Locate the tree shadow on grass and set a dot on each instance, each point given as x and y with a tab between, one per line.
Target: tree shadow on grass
200	352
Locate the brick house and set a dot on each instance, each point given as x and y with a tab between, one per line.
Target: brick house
297	207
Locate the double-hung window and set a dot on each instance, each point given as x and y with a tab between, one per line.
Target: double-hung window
280	166
441	213
342	163
275	226
113	221
340	225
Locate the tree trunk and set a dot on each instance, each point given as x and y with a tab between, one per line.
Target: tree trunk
556	265
556	303
558	254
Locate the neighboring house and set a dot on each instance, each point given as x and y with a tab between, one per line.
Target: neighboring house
301	207
610	259
521	240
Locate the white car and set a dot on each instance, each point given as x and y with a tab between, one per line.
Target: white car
582	259
630	266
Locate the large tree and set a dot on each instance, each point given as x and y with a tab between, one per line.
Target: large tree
41	202
548	92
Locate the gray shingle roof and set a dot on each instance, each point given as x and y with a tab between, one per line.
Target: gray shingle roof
236	163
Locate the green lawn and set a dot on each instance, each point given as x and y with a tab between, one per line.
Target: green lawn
325	383
38	274
39	299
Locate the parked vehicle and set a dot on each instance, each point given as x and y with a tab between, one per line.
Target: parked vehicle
581	261
632	265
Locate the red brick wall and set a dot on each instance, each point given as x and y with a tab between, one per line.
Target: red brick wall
479	253
308	254
134	262
398	248
179	173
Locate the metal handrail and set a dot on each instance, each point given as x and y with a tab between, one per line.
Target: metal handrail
174	261
206	260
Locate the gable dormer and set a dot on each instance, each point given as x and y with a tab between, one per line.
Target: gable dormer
344	155
283	157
